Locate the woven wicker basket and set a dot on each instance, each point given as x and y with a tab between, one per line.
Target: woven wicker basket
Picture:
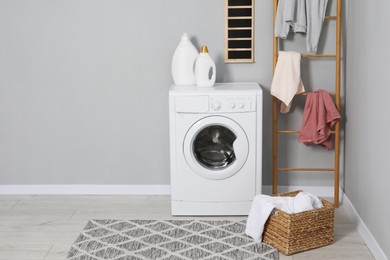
293	233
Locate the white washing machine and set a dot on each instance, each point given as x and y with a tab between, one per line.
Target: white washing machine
215	148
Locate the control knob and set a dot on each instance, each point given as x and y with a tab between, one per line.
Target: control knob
216	105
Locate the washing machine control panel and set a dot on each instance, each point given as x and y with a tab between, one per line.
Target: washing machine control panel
232	104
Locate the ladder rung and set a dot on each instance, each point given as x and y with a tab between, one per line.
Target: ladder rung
239	49
331	17
240	18
319	56
288	131
307	169
241	7
306	93
239	39
239	28
293	132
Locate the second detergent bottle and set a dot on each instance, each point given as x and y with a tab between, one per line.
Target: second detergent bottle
205	70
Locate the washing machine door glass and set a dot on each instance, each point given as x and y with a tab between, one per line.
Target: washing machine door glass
213	147
216	147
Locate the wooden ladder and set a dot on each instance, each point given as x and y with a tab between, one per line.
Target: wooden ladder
336	132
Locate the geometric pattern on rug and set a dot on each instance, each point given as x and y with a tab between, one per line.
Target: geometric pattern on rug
167	240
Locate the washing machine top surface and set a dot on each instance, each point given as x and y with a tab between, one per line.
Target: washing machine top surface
247	88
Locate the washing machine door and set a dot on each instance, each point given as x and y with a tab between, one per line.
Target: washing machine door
216	147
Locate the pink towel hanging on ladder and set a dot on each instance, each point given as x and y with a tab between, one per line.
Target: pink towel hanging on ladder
319	116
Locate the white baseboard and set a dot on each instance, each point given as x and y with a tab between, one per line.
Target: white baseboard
132	189
85	189
363	230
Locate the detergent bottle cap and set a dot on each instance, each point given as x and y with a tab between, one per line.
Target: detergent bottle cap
204	49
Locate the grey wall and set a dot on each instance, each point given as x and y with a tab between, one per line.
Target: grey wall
367	176
84	88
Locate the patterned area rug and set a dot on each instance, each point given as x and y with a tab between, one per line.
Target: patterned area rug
167	239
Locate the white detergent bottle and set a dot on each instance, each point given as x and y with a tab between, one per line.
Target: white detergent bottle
183	62
205	69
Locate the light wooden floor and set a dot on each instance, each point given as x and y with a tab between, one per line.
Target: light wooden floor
44	227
